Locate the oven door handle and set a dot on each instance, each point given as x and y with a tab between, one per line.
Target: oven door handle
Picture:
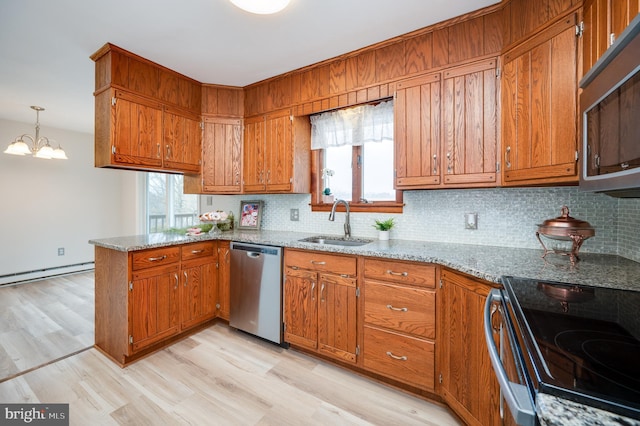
515	394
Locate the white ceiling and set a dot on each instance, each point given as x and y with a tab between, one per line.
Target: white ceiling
45	44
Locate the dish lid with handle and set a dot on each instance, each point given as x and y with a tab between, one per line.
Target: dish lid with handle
565	226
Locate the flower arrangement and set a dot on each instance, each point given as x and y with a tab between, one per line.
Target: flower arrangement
219	220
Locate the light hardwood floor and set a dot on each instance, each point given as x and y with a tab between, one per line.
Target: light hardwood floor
219	376
44	320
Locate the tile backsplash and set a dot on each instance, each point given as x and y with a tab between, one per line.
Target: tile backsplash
506	216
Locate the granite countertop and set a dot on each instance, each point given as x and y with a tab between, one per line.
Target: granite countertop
485	262
556	411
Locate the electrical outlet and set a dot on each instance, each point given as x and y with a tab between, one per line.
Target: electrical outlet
294	215
61	251
471	220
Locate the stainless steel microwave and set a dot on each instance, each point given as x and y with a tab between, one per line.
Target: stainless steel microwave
610	106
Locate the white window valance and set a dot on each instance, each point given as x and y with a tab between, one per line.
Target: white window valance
352	126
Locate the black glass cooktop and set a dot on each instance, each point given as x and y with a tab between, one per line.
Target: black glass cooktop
583	343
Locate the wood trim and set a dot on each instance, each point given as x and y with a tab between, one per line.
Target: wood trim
374	207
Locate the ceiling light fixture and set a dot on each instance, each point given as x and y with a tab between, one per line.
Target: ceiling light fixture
261	7
41	147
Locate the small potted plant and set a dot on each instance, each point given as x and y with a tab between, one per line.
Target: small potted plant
383	227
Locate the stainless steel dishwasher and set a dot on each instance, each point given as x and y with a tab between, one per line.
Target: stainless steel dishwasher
256	290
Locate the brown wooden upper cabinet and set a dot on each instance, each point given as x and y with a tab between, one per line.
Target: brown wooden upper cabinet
417	132
539	108
469	119
221	158
603	21
147	117
446	128
277	154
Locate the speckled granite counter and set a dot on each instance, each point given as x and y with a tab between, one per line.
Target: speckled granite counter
485	262
554	411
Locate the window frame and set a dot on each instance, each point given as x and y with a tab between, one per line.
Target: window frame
317	203
168	209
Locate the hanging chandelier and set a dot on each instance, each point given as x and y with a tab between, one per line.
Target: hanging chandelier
261	7
41	148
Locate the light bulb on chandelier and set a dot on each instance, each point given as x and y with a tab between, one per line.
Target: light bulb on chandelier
41	145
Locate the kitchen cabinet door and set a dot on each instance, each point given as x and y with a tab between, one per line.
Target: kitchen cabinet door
467	381
417	132
199	292
539	108
136	132
222	155
603	22
154	298
253	173
277	154
278	165
300	308
224	277
470	132
337	317
182	137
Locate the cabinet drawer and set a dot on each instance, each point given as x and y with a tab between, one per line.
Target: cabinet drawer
323	262
196	250
410	310
423	275
404	358
155	257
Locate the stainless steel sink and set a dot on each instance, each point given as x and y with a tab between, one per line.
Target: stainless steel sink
336	241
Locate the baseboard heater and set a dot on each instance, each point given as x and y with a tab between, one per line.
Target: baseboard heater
39	274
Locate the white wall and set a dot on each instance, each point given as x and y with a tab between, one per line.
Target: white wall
47	204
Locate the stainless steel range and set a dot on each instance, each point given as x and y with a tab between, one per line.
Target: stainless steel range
577	342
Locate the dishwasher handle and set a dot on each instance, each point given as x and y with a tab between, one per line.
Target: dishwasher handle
253	254
267	250
515	394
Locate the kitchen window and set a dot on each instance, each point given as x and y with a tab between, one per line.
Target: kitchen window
353	158
167	207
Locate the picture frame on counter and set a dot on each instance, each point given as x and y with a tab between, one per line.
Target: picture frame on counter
250	214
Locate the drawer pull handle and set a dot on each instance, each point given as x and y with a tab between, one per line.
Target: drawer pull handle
393	308
399	358
155	259
400	274
295	268
316	262
197	251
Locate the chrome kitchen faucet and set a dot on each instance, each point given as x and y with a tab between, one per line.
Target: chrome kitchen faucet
332	217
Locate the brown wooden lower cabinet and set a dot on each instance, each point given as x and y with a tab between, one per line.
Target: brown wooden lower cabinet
467	381
399	332
145	299
400	356
224	273
320	303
